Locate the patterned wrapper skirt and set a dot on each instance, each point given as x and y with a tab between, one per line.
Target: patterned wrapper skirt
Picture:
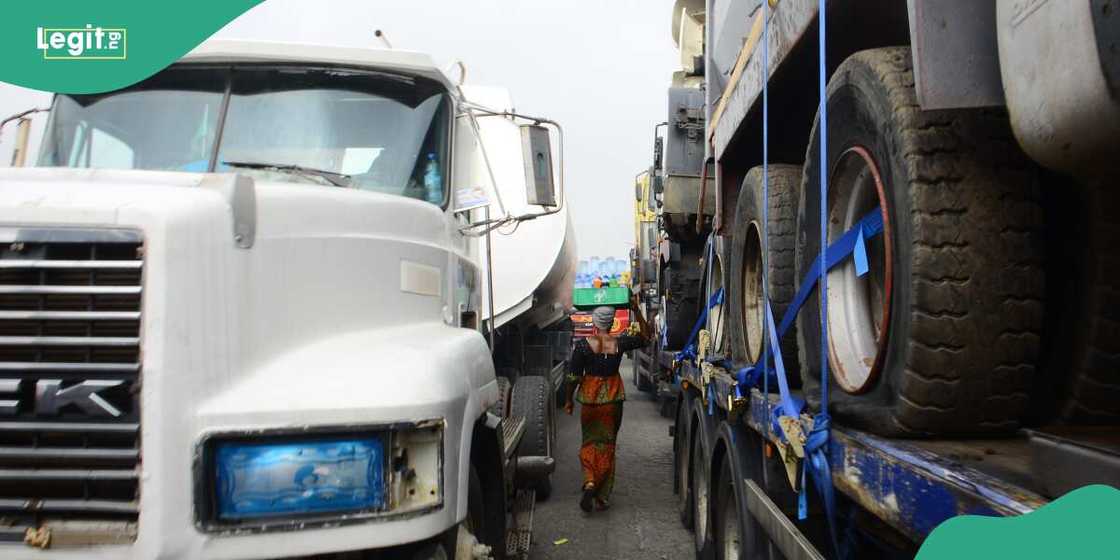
600	424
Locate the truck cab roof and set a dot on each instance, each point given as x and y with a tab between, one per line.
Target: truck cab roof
407	62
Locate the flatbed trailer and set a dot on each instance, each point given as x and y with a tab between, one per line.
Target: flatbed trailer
911	485
984	393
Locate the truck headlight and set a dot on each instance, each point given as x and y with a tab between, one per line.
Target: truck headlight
323	476
298	477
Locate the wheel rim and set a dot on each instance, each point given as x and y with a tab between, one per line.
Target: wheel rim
858	307
753	306
699	494
715	314
732	538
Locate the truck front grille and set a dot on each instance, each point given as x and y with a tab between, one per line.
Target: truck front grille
69	377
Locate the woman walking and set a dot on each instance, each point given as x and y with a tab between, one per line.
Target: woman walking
594	381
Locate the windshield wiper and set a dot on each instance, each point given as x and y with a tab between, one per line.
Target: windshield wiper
336	179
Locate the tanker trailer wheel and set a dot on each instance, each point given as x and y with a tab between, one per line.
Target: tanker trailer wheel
533	400
942	334
746	314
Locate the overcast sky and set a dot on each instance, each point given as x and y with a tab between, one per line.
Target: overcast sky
599	67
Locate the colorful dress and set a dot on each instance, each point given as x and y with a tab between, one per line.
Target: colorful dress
601	393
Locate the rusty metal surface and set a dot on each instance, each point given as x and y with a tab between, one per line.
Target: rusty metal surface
908	487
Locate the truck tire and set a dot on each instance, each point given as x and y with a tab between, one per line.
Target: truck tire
746	312
736	534
1092	317
682	459
682	302
714	279
642	382
502	405
942	335
533	400
700	471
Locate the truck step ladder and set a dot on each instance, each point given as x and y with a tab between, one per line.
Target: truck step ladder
520	535
513	428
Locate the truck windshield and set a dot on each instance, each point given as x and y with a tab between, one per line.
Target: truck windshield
367	130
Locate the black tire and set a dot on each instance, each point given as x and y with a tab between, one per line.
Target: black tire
700	471
746	244
737	535
1092	316
502	406
533	400
682	459
962	207
642	382
682	299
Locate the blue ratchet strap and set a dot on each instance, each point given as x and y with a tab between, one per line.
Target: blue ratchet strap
689	351
816	447
853	242
765	182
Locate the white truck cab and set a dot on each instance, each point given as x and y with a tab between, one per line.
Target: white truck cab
241	316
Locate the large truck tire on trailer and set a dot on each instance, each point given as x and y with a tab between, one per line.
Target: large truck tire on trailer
748	269
943	333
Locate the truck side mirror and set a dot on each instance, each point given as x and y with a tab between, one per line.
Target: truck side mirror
536	146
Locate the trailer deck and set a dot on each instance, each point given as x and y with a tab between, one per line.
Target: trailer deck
912	485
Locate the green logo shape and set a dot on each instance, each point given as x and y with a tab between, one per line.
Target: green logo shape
90	47
1081	523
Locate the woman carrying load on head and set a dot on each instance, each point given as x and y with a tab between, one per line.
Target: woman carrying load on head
594	381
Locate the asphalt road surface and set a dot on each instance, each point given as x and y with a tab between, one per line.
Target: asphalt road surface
642	522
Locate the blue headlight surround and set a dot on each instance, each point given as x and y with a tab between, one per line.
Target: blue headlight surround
299	477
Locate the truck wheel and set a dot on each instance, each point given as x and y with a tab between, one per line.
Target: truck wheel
682	303
682	459
736	533
1092	317
503	397
746	315
942	334
533	400
701	491
642	382
714	279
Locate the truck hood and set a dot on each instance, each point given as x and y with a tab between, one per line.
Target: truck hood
323	261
